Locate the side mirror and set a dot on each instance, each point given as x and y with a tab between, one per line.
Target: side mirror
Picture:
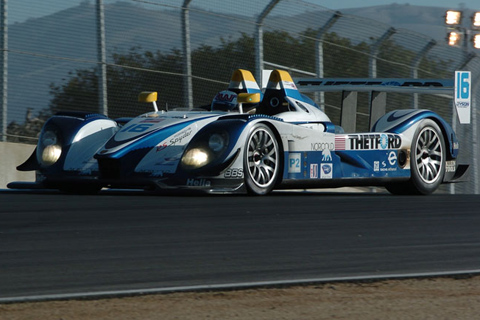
247	98
148	96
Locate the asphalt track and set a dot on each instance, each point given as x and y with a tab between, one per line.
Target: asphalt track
66	244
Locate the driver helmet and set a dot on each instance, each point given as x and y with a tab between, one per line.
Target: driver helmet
224	101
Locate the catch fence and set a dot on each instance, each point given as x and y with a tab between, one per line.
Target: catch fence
98	55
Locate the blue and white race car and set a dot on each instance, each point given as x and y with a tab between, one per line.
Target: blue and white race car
251	141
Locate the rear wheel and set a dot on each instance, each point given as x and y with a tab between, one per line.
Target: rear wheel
427	161
261	160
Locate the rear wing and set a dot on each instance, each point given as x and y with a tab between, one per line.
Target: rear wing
457	89
431	86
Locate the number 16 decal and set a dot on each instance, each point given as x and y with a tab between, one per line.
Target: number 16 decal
137	127
463	95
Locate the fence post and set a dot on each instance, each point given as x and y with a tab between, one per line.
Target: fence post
102	58
475	144
187	55
469	57
475	154
374	52
4	69
259	41
319	65
462	130
416	63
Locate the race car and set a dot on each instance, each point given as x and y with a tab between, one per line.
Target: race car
250	141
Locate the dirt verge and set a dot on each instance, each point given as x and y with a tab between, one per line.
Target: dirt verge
433	298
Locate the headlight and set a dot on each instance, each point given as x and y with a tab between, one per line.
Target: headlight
49	148
48	138
51	154
205	150
195	158
218	141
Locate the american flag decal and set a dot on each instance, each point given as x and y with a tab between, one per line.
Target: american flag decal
313	170
340	143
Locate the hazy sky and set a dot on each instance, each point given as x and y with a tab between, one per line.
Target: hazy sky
20	10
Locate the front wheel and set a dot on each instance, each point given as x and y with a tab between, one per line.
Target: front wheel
261	160
427	161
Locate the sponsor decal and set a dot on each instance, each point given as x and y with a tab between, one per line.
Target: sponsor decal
383	169
386	165
39	177
173	158
161	146
314	171
450	166
326	155
392	158
374	141
320	146
225	97
298	137
175	140
326	171
156	173
289	85
198	183
178	117
383	141
294	163
233	173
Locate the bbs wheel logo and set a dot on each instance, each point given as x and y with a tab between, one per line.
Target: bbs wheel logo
233	173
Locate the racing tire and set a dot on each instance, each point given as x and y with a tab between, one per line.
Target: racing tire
427	161
261	160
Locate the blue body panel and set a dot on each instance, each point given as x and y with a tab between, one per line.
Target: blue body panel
350	164
410	117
